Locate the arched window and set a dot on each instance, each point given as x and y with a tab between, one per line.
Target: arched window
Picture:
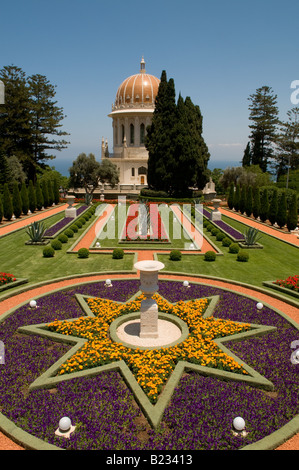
133	171
131	134
142	133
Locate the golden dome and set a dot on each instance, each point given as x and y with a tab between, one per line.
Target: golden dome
138	90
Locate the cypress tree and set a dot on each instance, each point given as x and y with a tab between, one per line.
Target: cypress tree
56	191
249	202
243	195
292	217
273	207
230	199
264	210
16	200
31	196
50	192
1	209
39	196
282	210
45	193
237	198
256	204
25	200
7	203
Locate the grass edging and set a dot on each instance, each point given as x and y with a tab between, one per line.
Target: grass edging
281	289
11	285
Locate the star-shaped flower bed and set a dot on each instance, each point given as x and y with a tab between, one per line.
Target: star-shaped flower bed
151	373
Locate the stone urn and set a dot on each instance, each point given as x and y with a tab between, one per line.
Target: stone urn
216	214
149	271
70	210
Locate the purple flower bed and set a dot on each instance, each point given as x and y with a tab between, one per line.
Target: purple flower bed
51	231
229	230
201	411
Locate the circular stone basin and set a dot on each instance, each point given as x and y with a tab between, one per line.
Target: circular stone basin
126	330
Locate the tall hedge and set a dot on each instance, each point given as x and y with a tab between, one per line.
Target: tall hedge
230	199
243	195
25	200
16	200
248	205
273	207
50	192
39	196
1	209
256	203
56	191
237	198
7	203
281	218
264	210
31	196
44	185
292	216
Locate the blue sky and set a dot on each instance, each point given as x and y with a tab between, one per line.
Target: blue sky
217	52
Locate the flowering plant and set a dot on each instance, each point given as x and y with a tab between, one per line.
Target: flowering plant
292	282
5	278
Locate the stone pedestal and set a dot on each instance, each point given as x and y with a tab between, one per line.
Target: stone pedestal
70	211
149	309
216	214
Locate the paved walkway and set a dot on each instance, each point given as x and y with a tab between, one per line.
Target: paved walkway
15	300
284	236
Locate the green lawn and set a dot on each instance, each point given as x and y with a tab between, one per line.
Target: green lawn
276	260
26	261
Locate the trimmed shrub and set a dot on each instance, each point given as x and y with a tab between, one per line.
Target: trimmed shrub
69	233
292	217
256	203
175	255
82	220
39	196
237	198
273	207
7	203
242	256
226	241
48	252
56	244
281	218
243	197
118	253
230	199
220	236
1	209
31	196
215	231
16	200
45	193
56	191
264	210
63	238
83	253
78	223
210	256
249	201
74	228
234	248
209	227
24	198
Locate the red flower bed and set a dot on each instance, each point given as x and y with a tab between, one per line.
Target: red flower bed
292	282
5	278
131	233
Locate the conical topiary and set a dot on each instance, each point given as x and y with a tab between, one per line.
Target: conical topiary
7	203
273	207
31	196
292	217
282	210
16	200
264	210
25	200
39	196
256	203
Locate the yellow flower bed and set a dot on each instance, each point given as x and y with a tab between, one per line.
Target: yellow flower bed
151	367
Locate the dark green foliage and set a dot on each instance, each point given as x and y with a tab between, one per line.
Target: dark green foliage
273	207
292	217
39	196
78	223
220	236
281	218
256	203
230	199
31	196
215	231
234	248
83	253
251	236
242	256
237	198
44	186
226	241
243	197
56	191
247	156
82	220
7	203
48	252
4	169
74	228
118	253
69	233
249	201
50	192
264	209
63	238
175	255
210	256
16	200
56	244
25	199
1	209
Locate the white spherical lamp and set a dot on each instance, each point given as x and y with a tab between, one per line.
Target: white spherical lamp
98	244
239	424
186	283
259	306
32	303
108	283
65	424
